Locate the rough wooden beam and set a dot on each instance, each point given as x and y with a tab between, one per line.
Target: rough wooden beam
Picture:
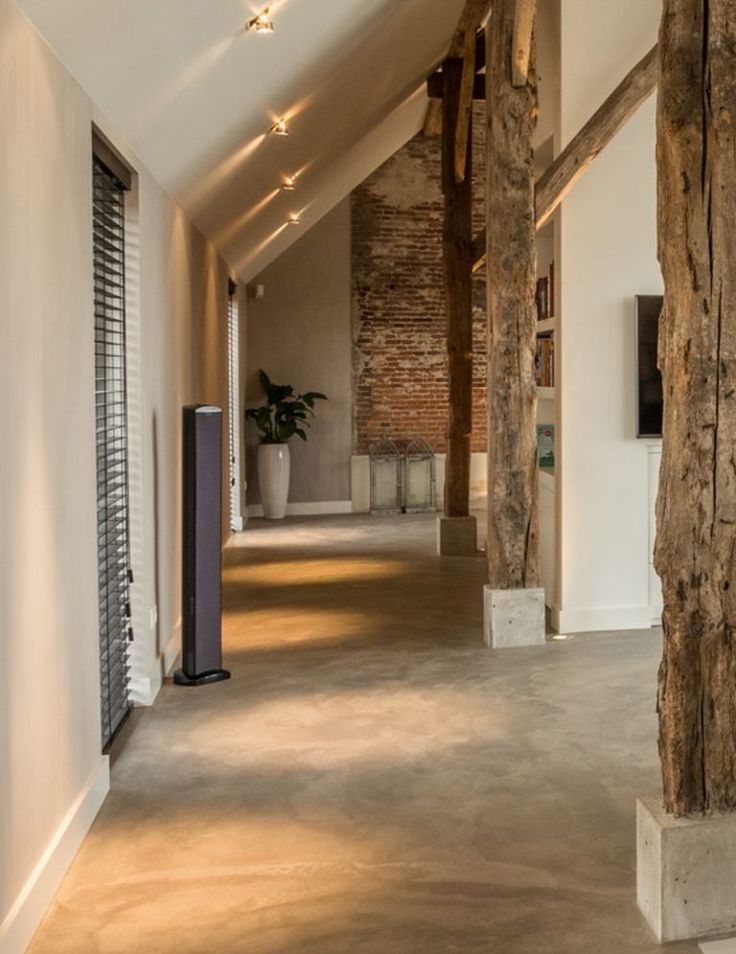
595	135
513	540
555	184
480	51
464	108
456	242
524	17
433	119
471	19
436	86
696	506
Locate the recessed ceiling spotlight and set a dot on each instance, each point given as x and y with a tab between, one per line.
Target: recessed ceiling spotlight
280	128
262	22
289	183
295	218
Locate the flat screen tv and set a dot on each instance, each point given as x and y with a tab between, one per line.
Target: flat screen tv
649	380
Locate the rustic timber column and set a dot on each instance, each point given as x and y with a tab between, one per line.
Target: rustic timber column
457	529
687	873
514	602
696	513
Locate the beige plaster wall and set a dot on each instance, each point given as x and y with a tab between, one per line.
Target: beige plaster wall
300	334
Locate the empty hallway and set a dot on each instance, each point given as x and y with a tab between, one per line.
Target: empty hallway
373	779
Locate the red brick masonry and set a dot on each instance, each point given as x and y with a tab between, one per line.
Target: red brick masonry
398	312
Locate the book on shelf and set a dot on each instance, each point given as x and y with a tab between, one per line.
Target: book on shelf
544	361
551	289
542	299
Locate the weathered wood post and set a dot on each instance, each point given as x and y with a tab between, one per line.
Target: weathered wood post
696	512
457	534
514	602
687	873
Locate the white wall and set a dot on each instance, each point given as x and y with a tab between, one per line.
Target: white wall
52	775
608	256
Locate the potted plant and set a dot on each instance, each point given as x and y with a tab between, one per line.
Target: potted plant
282	416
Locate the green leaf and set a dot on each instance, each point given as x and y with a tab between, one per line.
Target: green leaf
265	381
278	393
311	396
285	413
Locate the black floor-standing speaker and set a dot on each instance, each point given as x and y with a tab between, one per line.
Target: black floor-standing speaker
201	639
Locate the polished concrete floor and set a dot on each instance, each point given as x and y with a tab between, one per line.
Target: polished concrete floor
373	780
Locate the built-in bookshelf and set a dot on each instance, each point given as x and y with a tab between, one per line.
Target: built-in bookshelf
546	320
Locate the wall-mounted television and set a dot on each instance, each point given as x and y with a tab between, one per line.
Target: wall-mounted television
649	379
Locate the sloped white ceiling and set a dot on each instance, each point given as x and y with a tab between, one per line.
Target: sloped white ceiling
194	94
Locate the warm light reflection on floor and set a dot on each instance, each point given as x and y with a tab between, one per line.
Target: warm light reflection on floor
251	629
295	572
363	726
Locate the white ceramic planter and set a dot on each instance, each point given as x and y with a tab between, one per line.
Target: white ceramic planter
274	468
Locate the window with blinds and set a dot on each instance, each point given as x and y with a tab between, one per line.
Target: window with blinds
233	355
113	549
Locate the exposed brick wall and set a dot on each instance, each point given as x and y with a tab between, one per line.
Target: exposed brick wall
399	356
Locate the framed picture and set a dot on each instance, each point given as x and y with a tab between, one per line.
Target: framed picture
546	445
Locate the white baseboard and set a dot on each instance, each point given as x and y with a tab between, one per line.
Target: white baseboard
601	619
38	892
313	509
144	689
554	617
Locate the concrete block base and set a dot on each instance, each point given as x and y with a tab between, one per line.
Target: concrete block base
457	536
685	873
513	617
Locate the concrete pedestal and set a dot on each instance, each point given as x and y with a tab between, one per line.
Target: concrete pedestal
457	536
685	873
513	617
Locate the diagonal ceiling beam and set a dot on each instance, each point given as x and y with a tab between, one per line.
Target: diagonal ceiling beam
465	106
555	184
471	19
523	28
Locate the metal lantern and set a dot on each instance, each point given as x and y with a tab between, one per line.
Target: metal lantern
419	477
387	472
